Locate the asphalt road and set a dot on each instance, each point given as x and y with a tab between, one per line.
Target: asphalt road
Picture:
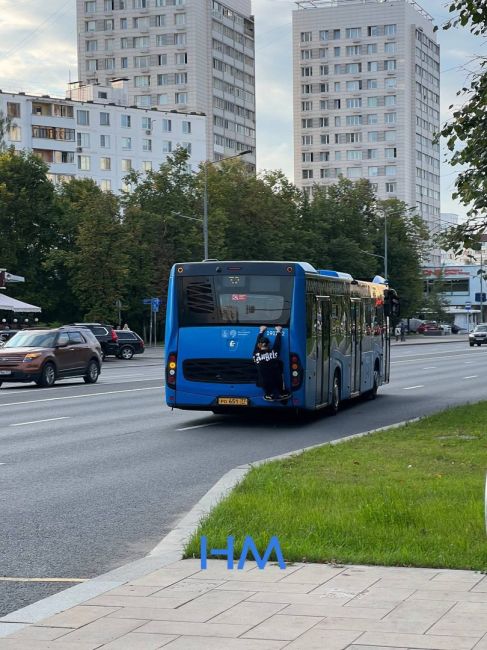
92	477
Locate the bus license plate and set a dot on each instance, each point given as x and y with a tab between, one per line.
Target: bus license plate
233	401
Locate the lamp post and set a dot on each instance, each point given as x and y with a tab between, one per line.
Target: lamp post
205	196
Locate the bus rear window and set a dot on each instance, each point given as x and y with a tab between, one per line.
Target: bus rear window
234	299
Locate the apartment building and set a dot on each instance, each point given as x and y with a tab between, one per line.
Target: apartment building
92	134
367	99
189	55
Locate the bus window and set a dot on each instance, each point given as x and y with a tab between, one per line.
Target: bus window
234	299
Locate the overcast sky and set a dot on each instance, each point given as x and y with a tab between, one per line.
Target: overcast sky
38	54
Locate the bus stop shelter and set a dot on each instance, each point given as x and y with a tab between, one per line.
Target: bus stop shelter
12	304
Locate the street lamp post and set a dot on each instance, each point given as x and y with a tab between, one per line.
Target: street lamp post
205	196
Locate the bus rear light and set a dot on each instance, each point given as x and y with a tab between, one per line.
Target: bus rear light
171	368
296	371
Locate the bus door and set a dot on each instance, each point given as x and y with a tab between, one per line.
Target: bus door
386	342
356	328
322	330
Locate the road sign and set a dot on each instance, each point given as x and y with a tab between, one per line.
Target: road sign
147	301
468	306
155	305
480	297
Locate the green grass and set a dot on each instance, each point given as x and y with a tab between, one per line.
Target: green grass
411	496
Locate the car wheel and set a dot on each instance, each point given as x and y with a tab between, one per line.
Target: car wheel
92	373
335	395
48	376
126	352
471	345
479	344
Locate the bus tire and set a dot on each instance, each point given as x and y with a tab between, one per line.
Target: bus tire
372	394
335	394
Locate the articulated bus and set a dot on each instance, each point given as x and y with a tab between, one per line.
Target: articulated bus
335	336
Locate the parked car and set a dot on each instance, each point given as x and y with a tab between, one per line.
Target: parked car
430	327
478	336
130	343
106	335
5	335
46	355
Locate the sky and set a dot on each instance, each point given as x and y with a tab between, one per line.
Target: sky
38	56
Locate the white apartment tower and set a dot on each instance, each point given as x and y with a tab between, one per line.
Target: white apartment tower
185	55
367	98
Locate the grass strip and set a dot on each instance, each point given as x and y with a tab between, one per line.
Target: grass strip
410	496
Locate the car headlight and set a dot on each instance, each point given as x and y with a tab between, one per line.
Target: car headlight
31	356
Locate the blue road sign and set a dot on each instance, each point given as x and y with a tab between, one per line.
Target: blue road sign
155	305
147	301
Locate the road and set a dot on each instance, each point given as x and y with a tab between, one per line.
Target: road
92	477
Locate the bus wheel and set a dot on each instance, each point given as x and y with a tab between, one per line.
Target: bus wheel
335	395
373	393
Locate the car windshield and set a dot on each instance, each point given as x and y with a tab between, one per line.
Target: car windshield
31	340
481	328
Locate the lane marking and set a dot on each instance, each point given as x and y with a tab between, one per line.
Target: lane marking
197	426
101	382
471	377
57	399
21	424
413	387
429	368
446	356
8	579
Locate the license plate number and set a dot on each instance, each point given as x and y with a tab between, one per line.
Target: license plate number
233	401
5	372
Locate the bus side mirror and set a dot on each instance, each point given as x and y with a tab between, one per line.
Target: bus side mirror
392	307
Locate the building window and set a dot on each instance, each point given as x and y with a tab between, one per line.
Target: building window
13	109
181	78
373	30
354	102
372	48
180	58
180	20
126	143
83	118
390	188
166	125
390	136
390	65
336	51
390	48
123	23
354	172
354	155
146	166
373	171
307	173
91	46
324	156
372	154
146	145
307	106
353	120
390	30
104	119
180	39
181	98
106	185
104	141
306	37
83	140
307	157
390	118
126	121
372	118
373	136
15	133
147	123
139	4
186	126
141	42
105	164
141	62
306	140
307	123
390	152
166	146
390	82
162	99
390	100
143	101
90	26
354	86
126	165
372	66
391	170
90	7
353	32
372	102
84	163
372	84
124	62
142	81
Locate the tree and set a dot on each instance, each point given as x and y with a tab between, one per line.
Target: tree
6	124
435	304
29	228
467	133
97	263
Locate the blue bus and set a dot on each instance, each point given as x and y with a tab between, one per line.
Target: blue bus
335	336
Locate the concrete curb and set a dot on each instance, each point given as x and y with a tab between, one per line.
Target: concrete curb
170	548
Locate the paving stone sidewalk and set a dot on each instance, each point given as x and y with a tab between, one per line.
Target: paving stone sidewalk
304	607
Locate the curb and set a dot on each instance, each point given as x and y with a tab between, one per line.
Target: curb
169	550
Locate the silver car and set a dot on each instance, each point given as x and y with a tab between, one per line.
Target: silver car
478	336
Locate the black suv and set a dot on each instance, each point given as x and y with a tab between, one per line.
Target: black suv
106	336
130	343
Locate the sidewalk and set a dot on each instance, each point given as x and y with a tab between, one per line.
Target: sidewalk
305	606
424	340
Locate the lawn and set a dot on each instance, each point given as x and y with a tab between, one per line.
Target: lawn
410	496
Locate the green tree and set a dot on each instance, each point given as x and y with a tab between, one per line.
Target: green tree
6	124
466	134
434	302
30	229
97	262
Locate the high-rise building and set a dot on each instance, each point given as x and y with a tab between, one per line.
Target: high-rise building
94	134
367	98
187	55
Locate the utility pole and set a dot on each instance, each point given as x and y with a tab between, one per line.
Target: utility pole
385	247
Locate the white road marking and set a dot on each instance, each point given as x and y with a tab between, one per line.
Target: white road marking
471	377
412	387
57	399
429	368
197	426
8	579
21	424
435	358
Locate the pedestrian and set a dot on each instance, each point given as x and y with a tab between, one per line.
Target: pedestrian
269	366
397	332
126	326
403	331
